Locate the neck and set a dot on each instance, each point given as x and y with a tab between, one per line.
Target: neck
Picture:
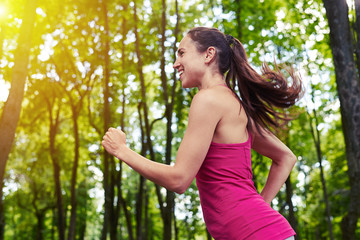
211	80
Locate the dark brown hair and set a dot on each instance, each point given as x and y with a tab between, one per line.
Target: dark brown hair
260	95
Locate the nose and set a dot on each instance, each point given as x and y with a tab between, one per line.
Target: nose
176	64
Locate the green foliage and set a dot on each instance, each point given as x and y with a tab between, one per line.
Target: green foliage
67	70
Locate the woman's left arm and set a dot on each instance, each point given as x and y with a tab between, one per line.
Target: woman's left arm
283	160
203	118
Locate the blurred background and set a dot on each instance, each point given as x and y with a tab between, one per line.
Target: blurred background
71	69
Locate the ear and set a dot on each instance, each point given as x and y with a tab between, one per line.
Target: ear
210	54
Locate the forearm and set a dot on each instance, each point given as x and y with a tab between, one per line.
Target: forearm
161	174
278	174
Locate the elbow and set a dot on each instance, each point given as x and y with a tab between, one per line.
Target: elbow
180	190
179	185
291	159
288	159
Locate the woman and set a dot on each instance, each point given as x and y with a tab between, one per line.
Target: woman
222	129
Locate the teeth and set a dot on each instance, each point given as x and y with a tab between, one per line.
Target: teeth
181	72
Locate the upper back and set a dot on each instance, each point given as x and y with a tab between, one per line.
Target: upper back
232	126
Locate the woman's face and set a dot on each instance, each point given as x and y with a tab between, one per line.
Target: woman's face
189	63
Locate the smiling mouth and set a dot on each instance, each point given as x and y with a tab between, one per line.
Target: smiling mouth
181	72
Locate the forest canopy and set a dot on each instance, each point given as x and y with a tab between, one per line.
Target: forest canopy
69	70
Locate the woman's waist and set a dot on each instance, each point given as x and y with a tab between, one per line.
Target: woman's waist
226	186
220	195
224	174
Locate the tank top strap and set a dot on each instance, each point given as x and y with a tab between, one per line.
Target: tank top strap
250	140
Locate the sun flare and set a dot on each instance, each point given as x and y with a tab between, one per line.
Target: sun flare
3	11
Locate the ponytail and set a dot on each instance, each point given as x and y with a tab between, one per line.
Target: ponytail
260	95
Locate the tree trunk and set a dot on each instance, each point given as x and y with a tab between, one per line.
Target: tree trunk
357	30
139	208
238	14
11	111
168	211
40	225
176	229
113	216
140	194
128	219
348	86
289	194
73	198
316	137
107	117
146	144
146	217
118	182
82	227
53	128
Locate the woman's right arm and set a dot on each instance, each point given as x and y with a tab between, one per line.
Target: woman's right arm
203	118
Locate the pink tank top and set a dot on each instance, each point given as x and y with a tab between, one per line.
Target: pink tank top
231	206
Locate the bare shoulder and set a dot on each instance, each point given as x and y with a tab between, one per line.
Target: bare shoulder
215	97
206	96
206	99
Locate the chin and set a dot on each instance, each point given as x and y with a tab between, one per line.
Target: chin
183	85
187	85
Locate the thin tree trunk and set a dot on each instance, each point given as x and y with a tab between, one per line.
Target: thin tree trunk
112	213
348	86
53	224
11	111
289	193
73	197
140	194
107	117
316	137
169	208
76	104
238	14
122	124
146	220
40	209
128	219
54	126
146	144
113	217
139	208
149	145
176	229
40	225
82	227
117	209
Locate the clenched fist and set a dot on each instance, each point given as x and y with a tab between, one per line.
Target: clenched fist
114	141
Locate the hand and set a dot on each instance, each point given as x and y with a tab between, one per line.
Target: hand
113	141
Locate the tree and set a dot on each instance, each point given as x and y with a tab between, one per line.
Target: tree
348	86
54	107
314	128
107	118
134	86
11	112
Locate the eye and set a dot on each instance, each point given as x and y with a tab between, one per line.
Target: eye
180	53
